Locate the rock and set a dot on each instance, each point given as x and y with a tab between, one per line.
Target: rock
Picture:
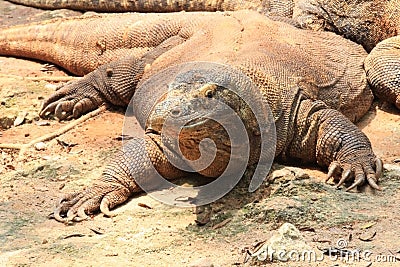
289	173
20	118
392	168
40	146
7	121
51	86
203	215
281	173
203	262
42	123
287	245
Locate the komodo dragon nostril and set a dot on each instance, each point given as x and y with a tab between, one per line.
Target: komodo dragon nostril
175	112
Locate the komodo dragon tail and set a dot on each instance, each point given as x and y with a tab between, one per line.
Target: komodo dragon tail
51	41
278	7
82	44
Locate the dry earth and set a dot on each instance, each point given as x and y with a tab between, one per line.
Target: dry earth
164	235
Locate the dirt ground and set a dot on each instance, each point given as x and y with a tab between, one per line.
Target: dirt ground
162	235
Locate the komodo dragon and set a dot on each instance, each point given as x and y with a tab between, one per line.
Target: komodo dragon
308	79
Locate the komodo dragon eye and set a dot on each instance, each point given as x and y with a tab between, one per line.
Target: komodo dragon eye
209	93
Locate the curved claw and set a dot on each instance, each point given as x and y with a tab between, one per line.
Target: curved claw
334	167
379	168
372	182
103	196
360	179
106	210
57	215
63	205
345	176
113	199
72	100
372	177
81	215
47	109
82	106
64	108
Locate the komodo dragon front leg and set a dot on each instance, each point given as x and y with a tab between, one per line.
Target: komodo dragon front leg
113	83
327	137
139	159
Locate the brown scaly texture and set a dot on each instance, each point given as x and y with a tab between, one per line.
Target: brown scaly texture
273	7
383	70
301	74
367	22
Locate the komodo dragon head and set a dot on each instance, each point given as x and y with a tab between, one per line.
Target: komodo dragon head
205	118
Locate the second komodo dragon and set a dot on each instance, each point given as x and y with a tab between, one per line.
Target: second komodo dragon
313	82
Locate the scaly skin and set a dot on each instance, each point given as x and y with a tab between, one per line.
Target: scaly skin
366	22
273	7
292	69
382	66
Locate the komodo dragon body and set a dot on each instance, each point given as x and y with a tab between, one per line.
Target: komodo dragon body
308	79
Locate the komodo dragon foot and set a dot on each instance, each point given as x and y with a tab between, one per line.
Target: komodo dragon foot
103	196
336	143
139	160
72	100
346	150
111	83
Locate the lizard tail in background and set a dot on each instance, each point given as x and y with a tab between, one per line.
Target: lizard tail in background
275	7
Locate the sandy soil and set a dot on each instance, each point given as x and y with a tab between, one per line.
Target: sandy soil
164	235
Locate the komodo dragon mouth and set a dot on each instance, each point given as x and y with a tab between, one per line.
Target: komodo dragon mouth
196	123
193	125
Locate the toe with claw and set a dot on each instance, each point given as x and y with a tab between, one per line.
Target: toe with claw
361	173
72	100
103	197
